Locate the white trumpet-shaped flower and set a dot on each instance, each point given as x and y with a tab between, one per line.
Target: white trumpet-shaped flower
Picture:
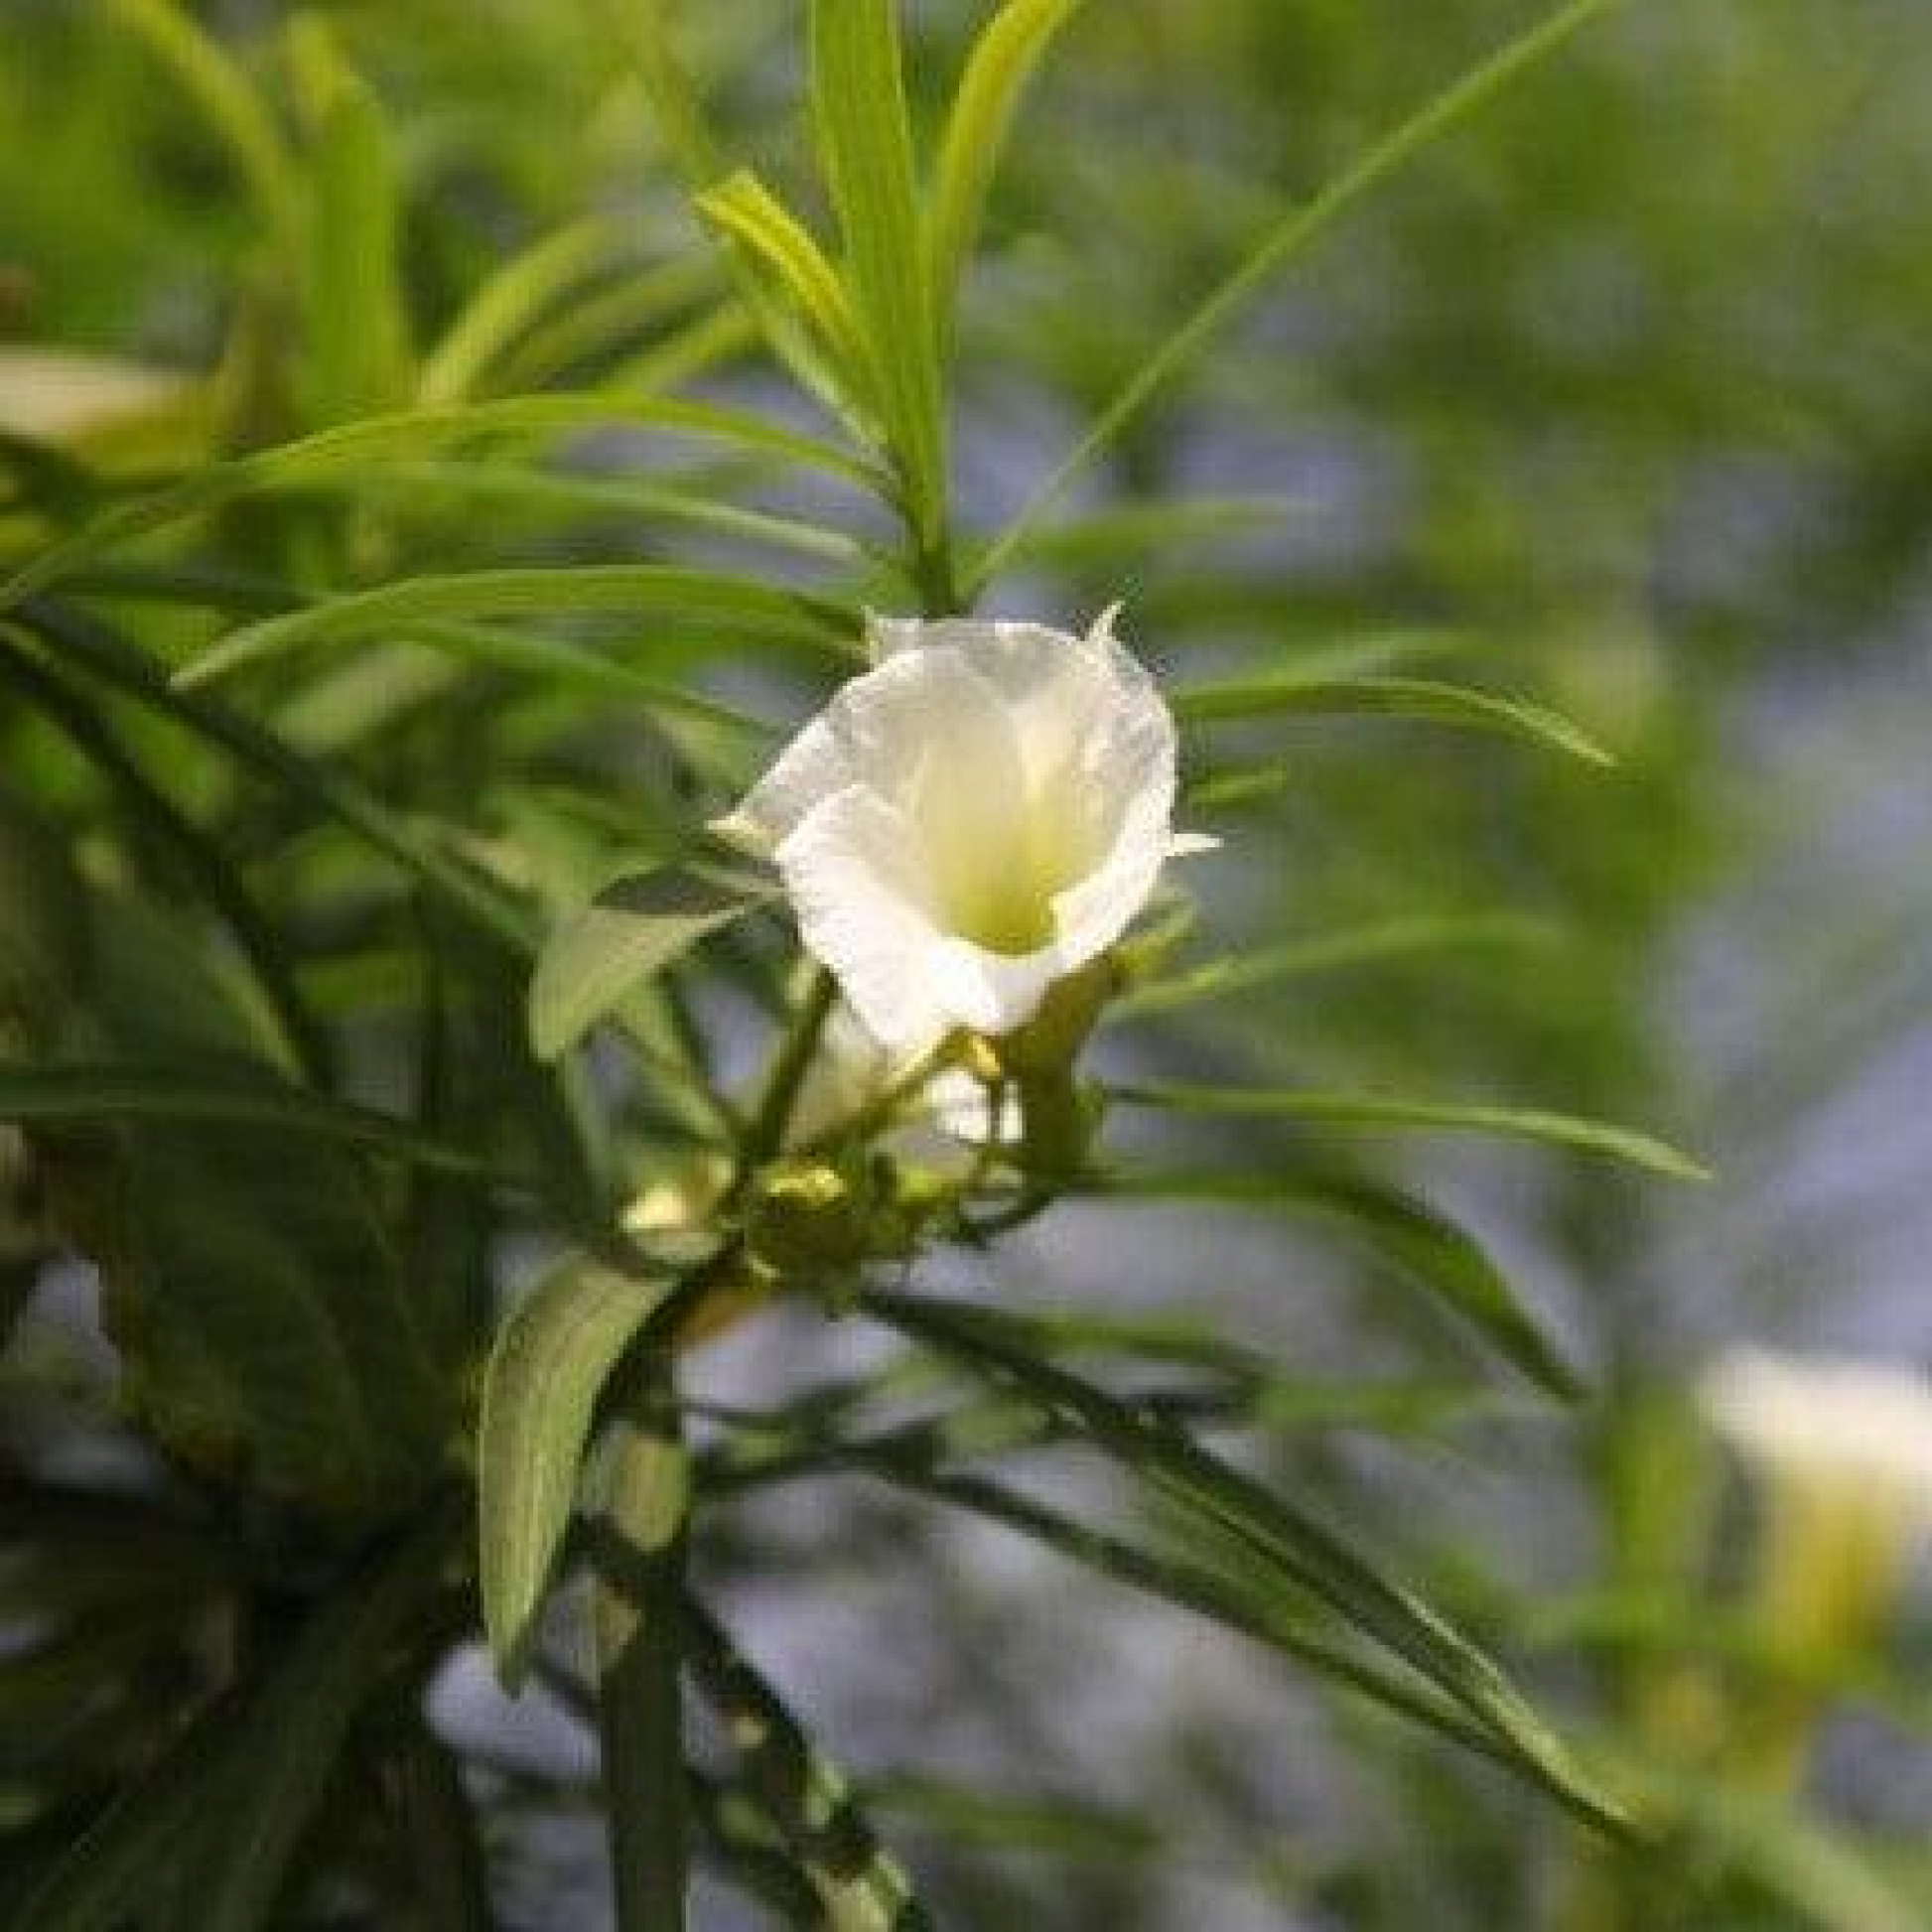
1843	1455
975	818
1862	1430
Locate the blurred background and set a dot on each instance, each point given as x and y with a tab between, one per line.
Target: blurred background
1626	391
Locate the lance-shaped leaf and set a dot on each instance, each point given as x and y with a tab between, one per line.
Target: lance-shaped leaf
285	1753
865	145
335	456
1424	700
698	602
1001	63
597	957
507	302
1323	952
84	644
1390	1111
1289	1547
357	358
108	1874
786	251
1423	1244
1283	239
550	1364
230	105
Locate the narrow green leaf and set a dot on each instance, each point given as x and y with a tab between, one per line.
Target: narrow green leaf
600	955
1423	1243
1001	63
1188	1585
1285	238
688	351
602	321
155	813
507	302
1142	531
1275	1534
81	641
1422	699
333	456
865	144
227	98
747	211
357	358
564	665
551	1360
83	1093
284	1757
640	28
1236	788
1328	952
1821	1876
797	1441
1380	1110
704	601
530	488
225	1805
108	1876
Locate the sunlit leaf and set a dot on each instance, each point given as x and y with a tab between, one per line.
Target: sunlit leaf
601	954
1329	952
550	1361
333	455
1293	693
227	102
1388	1111
88	645
1425	1245
702	602
865	144
745	209
357	357
1010	48
1299	1551
504	305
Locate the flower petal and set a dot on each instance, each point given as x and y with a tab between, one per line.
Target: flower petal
812	767
992	992
1091	914
858	884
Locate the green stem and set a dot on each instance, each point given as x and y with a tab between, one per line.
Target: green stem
439	1826
859	1886
639	1543
766	1134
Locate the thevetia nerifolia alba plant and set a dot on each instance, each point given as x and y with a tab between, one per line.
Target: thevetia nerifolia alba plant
964	843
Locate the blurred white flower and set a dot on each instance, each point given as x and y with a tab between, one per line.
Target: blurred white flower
1862	1430
57	396
1842	1454
971	821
